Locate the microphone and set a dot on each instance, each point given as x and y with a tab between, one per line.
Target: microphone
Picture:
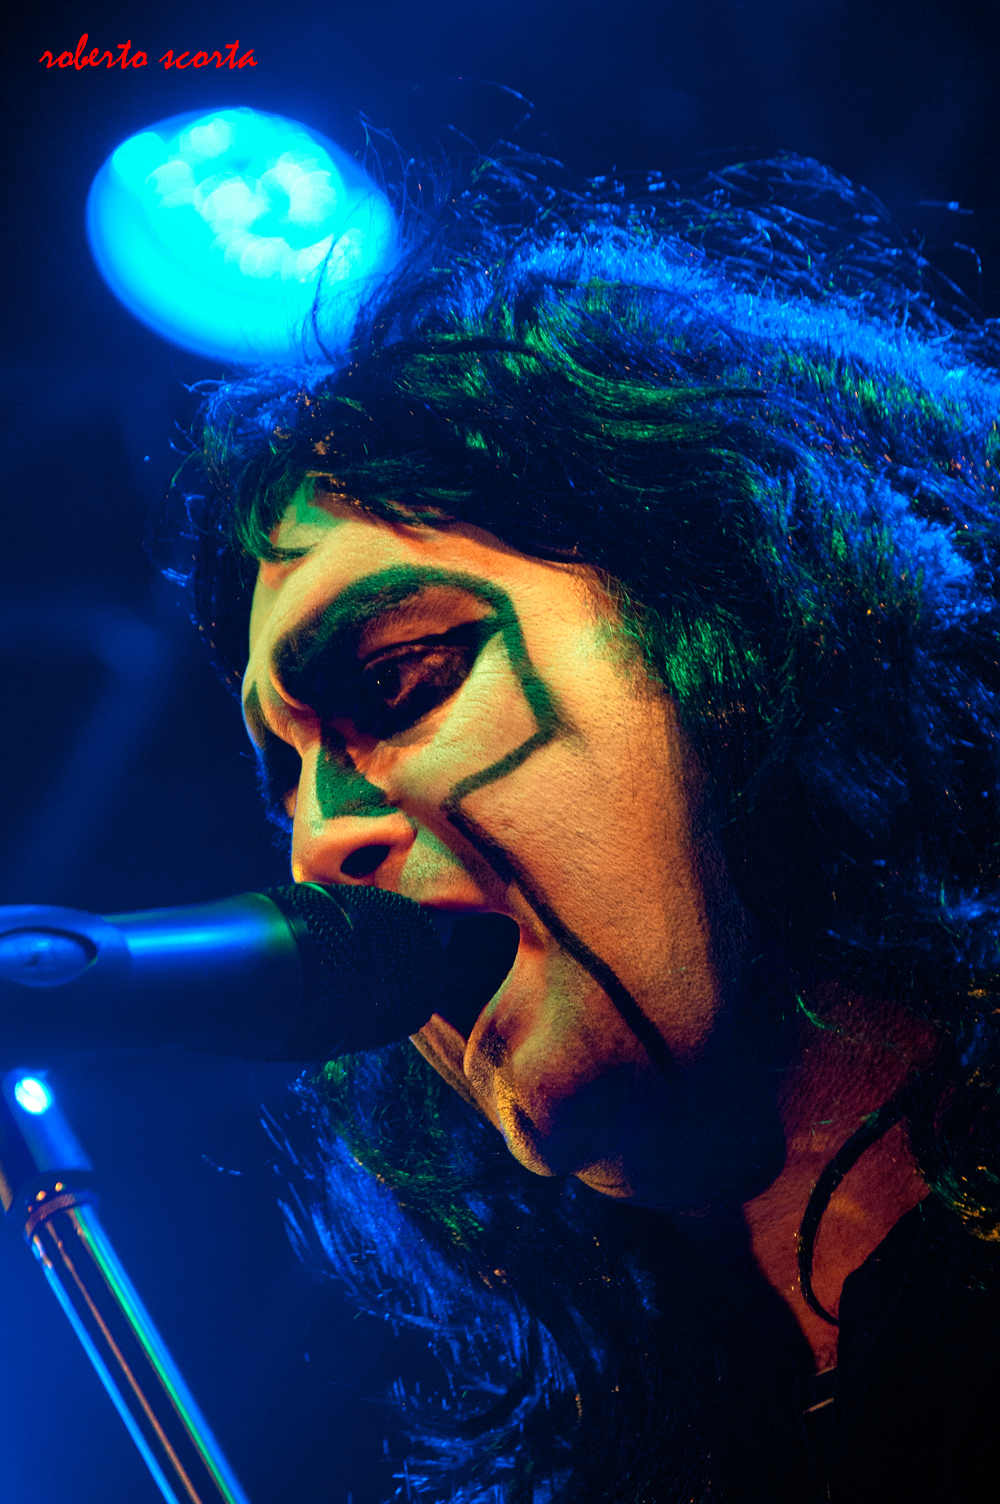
302	972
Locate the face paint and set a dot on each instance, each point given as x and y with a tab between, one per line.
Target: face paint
340	788
308	662
459	707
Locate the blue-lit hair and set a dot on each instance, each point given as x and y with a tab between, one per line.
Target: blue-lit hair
770	427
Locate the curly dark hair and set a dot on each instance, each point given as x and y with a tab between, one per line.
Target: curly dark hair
755	411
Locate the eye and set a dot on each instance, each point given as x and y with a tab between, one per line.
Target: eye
403	683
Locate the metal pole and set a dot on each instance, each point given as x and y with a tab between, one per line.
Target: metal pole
40	1160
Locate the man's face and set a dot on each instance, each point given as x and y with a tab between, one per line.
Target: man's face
446	718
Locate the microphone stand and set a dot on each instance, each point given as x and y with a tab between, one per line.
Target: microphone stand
43	1174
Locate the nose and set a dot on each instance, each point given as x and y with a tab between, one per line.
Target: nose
354	848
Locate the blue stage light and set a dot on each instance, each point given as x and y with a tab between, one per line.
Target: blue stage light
217	229
33	1095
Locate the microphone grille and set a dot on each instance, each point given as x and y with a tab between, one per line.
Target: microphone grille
375	966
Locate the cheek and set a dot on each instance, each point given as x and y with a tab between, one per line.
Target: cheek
600	832
483	727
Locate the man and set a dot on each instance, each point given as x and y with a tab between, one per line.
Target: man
632	577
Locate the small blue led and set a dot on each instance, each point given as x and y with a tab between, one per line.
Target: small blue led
218	229
33	1095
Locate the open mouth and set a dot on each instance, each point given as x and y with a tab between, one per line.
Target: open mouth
477	957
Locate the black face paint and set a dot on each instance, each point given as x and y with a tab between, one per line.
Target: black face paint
318	664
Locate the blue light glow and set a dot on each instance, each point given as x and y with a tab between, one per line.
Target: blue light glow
216	230
33	1095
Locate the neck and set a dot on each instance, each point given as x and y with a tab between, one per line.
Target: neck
839	1075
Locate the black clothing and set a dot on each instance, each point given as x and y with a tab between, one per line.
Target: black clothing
916	1411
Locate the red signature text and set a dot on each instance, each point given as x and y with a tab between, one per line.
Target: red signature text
96	58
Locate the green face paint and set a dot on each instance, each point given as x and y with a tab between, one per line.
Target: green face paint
340	788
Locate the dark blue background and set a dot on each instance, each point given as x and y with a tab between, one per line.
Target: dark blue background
125	781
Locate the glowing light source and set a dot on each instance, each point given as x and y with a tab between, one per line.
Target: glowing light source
217	231
33	1095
